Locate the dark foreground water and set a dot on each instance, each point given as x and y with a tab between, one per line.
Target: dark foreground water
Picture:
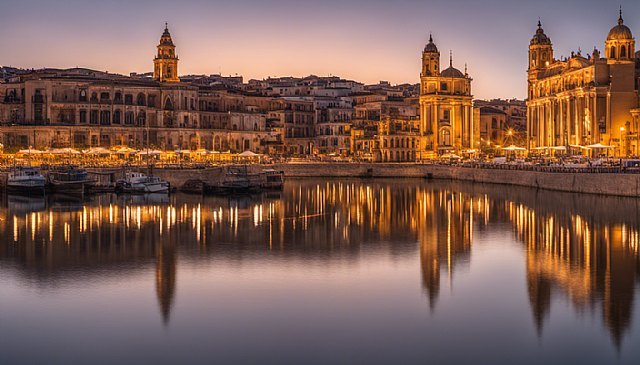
350	272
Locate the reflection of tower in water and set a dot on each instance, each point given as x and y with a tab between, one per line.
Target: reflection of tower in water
445	235
166	278
590	261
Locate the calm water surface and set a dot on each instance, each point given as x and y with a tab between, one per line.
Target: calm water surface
347	271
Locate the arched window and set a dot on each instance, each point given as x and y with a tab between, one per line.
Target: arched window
168	105
118	98
612	53
445	137
255	126
623	52
83	95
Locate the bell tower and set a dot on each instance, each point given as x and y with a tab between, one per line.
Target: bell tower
540	50
430	59
165	65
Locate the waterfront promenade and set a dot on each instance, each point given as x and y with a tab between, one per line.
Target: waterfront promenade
588	180
602	181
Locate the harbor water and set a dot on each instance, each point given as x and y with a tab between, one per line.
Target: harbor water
326	271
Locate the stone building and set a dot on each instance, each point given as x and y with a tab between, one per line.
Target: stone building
446	105
583	100
493	126
86	108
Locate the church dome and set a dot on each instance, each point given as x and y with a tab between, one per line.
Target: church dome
540	38
620	31
431	47
452	72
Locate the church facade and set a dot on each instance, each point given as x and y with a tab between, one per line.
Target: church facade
446	106
584	100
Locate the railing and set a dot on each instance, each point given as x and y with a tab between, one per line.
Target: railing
555	169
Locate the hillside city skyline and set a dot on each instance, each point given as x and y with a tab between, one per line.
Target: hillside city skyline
375	47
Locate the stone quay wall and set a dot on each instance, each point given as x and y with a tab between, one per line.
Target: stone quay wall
587	183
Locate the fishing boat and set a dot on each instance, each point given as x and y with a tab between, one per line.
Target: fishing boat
70	180
139	183
26	180
239	179
274	180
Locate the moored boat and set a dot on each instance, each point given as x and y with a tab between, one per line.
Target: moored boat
26	180
70	180
274	180
139	183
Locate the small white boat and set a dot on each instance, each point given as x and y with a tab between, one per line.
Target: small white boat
26	180
139	183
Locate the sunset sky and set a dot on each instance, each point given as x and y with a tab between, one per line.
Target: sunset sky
365	40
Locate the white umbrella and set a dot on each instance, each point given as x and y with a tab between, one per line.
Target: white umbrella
97	151
63	151
514	148
248	154
599	145
150	153
123	149
29	152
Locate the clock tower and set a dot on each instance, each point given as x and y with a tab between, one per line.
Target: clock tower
166	62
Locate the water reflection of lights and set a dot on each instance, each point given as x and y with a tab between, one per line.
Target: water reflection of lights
589	258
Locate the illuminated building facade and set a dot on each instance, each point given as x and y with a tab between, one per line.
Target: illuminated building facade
584	100
90	108
446	105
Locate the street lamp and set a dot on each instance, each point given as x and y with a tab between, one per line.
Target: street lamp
623	152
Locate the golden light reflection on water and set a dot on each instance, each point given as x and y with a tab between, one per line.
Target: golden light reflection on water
581	247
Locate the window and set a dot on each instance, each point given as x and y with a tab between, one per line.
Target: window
447	115
151	101
128	118
105	117
104	96
445	137
168	105
444	86
142	118
128	99
83	95
93	117
612	54
623	52
141	99
118	98
117	116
